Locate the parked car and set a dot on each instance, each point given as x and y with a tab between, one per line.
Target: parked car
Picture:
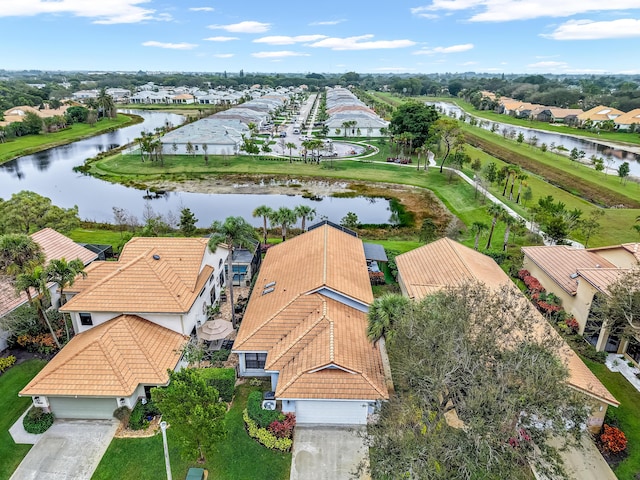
283	134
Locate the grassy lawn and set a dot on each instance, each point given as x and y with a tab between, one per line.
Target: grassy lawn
628	414
35	143
12	406
238	457
96	235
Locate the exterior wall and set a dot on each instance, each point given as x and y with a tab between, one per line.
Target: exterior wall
582	302
596	419
243	371
214	149
403	288
329	412
619	257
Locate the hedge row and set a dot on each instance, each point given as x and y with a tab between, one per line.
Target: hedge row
263	435
222	379
259	415
6	362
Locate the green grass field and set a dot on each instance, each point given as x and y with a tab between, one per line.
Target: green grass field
238	457
628	415
12	406
35	143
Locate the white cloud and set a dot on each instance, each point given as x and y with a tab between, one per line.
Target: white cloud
465	64
548	64
452	49
357	43
223	55
280	54
220	39
202	9
286	40
327	22
590	30
393	69
103	11
170	46
505	10
243	27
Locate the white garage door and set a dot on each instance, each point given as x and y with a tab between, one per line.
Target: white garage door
90	408
329	412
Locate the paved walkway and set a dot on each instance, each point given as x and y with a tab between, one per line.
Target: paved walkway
617	364
20	435
328	453
69	450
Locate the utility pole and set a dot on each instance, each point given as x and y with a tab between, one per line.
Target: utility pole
163	427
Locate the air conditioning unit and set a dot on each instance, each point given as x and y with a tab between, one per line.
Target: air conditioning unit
268	404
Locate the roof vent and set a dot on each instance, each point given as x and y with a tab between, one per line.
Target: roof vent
268	290
573	275
597	265
270	284
156	257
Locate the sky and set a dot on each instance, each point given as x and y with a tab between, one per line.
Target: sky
328	36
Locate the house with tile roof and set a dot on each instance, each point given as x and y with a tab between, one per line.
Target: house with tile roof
132	318
580	278
54	245
444	263
624	122
600	114
305	328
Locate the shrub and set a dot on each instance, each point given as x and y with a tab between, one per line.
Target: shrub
259	415
138	418
573	324
123	414
284	428
265	437
613	440
220	355
37	420
222	379
6	362
376	278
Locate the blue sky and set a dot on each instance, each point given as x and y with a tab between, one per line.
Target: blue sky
428	36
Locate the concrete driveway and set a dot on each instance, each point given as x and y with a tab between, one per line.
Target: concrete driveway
69	450
328	453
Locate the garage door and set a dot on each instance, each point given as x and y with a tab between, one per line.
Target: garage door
331	412
90	408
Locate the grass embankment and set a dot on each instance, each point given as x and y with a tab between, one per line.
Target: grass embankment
628	415
35	143
12	406
237	457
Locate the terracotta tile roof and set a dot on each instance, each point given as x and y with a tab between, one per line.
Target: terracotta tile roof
438	262
57	246
138	282
628	118
317	342
422	272
110	360
561	262
54	246
601	113
601	278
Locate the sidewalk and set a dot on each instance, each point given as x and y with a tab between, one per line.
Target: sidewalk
20	435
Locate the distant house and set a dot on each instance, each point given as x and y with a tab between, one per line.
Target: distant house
54	246
17	114
305	328
600	114
567	116
580	278
132	318
626	120
443	263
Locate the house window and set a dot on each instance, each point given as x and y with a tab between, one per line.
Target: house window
85	319
634	350
255	360
213	296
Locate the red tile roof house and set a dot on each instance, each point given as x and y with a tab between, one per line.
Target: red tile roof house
579	277
305	327
132	318
444	263
54	246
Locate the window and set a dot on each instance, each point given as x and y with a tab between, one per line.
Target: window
255	360
634	349
85	319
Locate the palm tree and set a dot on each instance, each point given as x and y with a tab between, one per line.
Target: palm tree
285	217
522	177
290	146
234	232
18	253
509	170
36	279
478	228
383	313
104	103
495	211
509	221
265	212
64	274
516	174
305	212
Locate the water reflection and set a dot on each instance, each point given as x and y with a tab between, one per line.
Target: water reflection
613	156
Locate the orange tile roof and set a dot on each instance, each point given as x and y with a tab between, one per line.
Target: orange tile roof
54	246
317	343
140	283
601	113
628	118
446	261
560	262
110	360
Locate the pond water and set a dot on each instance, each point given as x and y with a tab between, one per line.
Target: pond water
50	174
613	156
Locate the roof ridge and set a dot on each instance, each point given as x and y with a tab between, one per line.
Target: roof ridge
141	345
457	253
111	358
324	256
172	291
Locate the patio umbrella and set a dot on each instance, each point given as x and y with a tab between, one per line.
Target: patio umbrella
215	329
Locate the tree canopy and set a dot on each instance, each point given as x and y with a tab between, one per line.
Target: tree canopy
415	118
27	212
472	389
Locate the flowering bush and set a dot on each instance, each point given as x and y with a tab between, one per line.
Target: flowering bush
6	362
41	343
283	428
573	324
521	439
376	278
265	437
613	440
